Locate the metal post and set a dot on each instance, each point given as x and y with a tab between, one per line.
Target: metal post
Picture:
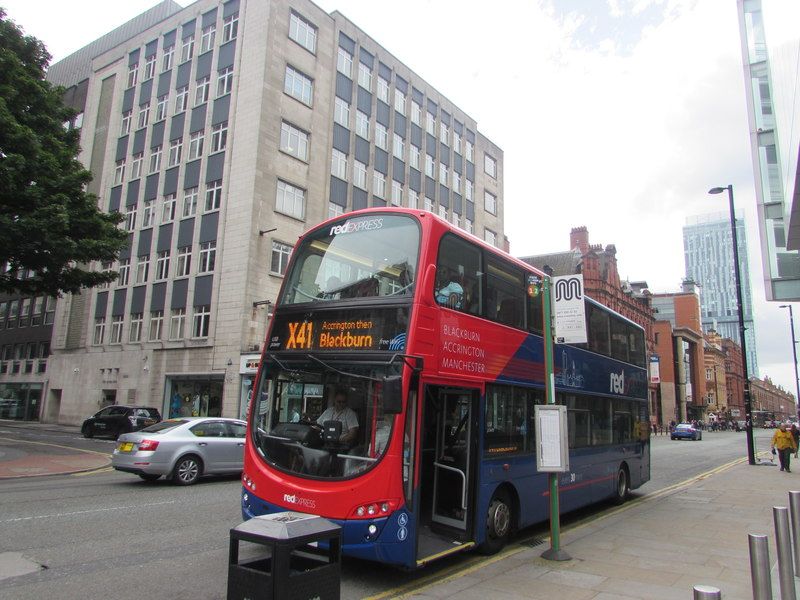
760	567
706	592
783	543
794	509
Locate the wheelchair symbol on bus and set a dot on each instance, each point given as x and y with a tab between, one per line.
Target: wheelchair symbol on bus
402	519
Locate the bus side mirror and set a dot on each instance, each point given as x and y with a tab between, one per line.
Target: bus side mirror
392	395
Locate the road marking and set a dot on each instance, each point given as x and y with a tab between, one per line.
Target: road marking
54	446
94	472
447	575
85	512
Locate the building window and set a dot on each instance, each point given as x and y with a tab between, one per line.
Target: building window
428	204
208	257
190	201
177	322
444	134
196	141
116	330
136	165
456	142
135	334
303	32
443	174
429	166
144	115
365	76
490	237
125	128
413	156
166	60
490	166
290	200
360	175
294	141
202	319
400	102
430	123
362	125
201	91
38	302
133	74
344	63
142	269
339	164
124	271
383	89
207	38
334	210
219	137
148	214
119	172
470	151
213	195
468	189
341	112
280	258
130	217
183	264
50	310
225	81
230	27
155	159
175	151
397	193
454	219
416	113
162	265
298	85
378	184
413	199
168	208
468	226
456	183
399	146
187	48
490	202
99	330
156	325
182	99
381	137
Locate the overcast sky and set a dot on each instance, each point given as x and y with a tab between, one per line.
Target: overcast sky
616	115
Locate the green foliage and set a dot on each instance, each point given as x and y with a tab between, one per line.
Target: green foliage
49	225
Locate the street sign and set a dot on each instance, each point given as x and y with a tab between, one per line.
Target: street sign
655	374
552	455
569	309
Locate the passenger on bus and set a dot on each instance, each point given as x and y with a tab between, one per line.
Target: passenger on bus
450	292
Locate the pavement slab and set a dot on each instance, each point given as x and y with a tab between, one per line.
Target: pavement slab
24	458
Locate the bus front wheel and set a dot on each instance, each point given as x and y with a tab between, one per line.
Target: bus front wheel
623	486
498	523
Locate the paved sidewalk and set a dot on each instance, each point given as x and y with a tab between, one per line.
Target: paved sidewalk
656	548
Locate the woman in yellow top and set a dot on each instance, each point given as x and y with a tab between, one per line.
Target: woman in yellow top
783	441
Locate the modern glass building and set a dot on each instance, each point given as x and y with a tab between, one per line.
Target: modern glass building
708	256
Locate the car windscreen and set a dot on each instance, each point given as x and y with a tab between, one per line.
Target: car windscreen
164	426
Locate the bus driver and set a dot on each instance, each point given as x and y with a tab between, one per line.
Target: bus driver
344	414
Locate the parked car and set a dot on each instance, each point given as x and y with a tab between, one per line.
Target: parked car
183	449
686	431
116	419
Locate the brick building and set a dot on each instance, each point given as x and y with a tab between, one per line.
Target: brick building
734	378
716	390
772	399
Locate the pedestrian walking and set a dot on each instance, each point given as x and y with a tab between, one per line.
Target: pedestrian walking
783	442
796	435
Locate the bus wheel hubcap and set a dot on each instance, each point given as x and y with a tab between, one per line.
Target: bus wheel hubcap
500	519
622	486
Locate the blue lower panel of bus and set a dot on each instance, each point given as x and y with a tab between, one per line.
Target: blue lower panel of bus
391	542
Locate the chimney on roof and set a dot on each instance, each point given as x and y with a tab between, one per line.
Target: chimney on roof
579	238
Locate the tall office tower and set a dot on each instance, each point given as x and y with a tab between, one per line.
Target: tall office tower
773	107
708	256
221	133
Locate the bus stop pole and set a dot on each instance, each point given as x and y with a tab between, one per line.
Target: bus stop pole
554	552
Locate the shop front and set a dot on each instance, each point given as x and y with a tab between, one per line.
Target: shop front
193	396
20	401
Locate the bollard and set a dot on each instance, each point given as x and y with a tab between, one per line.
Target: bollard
794	509
760	567
783	543
706	592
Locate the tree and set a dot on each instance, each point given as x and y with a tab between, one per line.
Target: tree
50	227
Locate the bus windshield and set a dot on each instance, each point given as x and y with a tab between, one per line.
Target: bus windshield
359	257
321	422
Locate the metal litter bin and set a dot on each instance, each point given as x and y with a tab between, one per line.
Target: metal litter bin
301	559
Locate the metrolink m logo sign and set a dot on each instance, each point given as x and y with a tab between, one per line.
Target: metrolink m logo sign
569	310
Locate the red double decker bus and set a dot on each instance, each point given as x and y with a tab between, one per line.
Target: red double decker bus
397	387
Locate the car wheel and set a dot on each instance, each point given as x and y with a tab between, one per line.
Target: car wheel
673	438
88	431
187	470
149	476
499	520
623	486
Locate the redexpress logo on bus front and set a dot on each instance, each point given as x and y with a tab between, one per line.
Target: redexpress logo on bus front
352	226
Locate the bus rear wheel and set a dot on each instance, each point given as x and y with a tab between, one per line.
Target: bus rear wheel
622	487
498	523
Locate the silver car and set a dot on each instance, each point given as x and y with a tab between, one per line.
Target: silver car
183	449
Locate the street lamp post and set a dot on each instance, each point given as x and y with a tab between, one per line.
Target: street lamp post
794	355
748	406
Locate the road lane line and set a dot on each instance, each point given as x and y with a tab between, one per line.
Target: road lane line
55	446
452	573
85	512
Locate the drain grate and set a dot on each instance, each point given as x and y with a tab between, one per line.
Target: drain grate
532	542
